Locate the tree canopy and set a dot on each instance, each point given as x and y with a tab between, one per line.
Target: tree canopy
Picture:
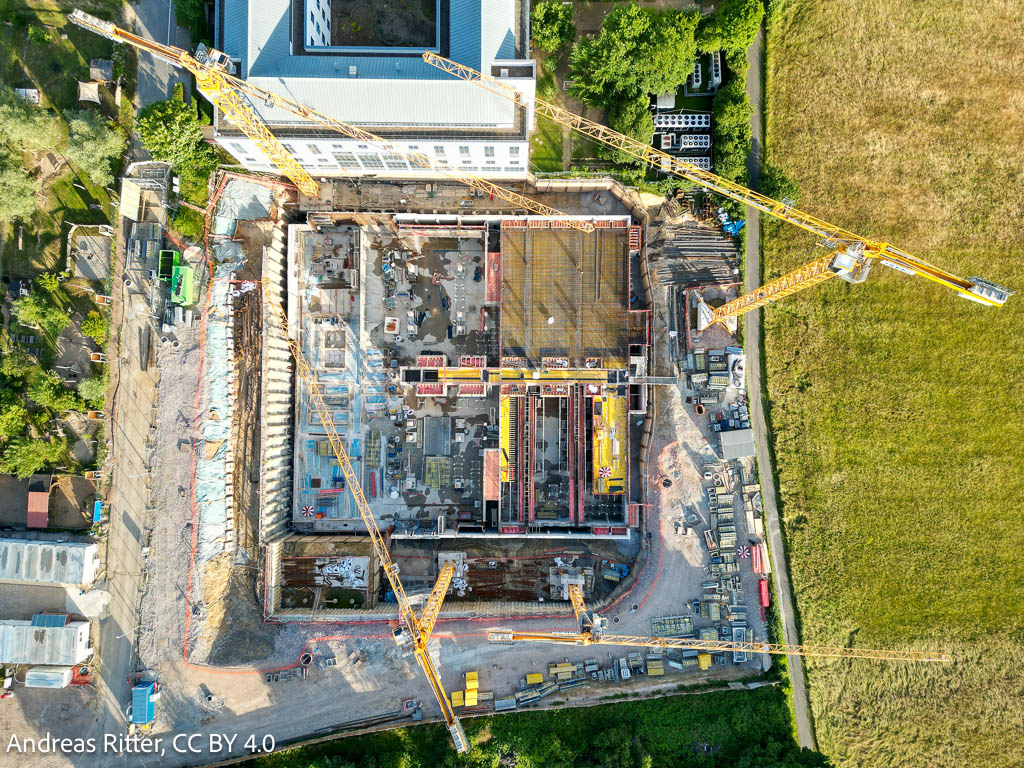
16	363
731	130
637	52
48	390
94	325
24	456
552	28
632	117
37	309
94	146
24	125
734	24
94	391
13	414
170	131
17	188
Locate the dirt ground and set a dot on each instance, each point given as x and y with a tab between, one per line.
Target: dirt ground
70	502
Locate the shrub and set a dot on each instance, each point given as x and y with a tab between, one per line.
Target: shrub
734	24
39	36
552	28
16	363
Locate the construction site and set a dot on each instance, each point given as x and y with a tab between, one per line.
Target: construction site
414	442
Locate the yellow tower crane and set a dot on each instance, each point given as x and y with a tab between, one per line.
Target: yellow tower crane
850	256
412	630
591	631
233	96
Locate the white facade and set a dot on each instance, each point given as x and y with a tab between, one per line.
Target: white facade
318	23
347	157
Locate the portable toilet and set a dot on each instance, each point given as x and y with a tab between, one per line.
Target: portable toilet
144	696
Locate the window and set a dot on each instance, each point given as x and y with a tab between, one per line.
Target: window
414	146
395	162
492	162
513	151
464	151
249	159
236	147
288	148
323	14
419	160
438	150
488	151
363	146
338	147
323	160
513	170
346	160
311	16
314	149
371	161
468	168
514	162
323	38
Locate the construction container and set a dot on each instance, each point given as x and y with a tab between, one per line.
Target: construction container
704	660
504	705
457	699
471	698
534	678
472	683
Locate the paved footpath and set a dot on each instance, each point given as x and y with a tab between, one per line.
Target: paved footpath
752	337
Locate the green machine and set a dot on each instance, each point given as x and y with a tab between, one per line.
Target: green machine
168	261
183	286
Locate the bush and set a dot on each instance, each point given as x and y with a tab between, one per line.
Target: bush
48	390
94	145
633	118
189	223
24	456
13	418
777	185
732	112
552	28
39	36
95	326
38	310
94	391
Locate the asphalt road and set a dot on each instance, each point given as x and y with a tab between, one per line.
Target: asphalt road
155	20
752	336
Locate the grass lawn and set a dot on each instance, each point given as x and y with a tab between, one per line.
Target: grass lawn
717	729
895	405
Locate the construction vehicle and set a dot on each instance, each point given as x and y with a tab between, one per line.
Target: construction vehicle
212	70
591	630
850	256
412	632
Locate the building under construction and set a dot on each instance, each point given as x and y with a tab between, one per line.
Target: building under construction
486	373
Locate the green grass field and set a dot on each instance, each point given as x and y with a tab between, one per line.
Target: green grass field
734	729
899	433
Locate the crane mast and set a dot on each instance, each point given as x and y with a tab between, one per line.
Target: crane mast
235	96
415	630
850	255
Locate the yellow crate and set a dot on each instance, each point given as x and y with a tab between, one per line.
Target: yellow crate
470	698
457	699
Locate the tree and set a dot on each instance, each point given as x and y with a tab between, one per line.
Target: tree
632	117
13	415
734	24
16	363
37	309
24	456
17	188
552	27
49	282
170	131
731	130
24	125
94	145
94	391
95	326
49	391
638	51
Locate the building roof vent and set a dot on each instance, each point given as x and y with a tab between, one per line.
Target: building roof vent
352	70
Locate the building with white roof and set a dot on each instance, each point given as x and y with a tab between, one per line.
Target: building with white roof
46	639
290	47
48	562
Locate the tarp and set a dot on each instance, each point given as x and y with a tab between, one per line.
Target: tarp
89	92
